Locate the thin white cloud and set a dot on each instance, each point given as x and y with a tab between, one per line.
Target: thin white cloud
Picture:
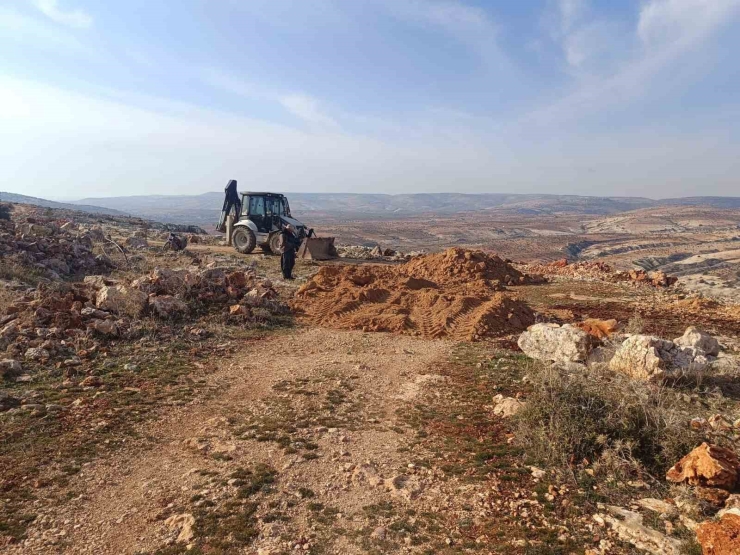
76	18
665	32
677	21
227	82
35	33
307	108
470	25
571	11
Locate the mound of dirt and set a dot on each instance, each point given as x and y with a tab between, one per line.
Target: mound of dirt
454	294
456	266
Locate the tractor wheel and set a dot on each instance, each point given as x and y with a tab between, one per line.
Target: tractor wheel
274	243
243	240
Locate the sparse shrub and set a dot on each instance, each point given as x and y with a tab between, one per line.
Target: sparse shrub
5	211
607	418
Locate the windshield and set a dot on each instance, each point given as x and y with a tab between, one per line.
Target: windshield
275	206
256	206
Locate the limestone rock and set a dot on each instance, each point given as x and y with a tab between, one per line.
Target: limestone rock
104	327
551	342
91	381
98	282
505	406
10	367
702	342
629	527
657	506
184	523
167	306
720	538
37	353
707	466
650	358
121	299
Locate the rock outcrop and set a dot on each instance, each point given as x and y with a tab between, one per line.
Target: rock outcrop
629	527
707	466
121	300
721	537
646	357
506	406
554	343
701	342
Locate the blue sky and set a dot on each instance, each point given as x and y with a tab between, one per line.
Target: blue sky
552	96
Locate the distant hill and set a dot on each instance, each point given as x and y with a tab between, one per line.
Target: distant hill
716	202
23	199
204	209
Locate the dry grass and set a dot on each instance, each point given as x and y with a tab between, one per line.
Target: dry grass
621	424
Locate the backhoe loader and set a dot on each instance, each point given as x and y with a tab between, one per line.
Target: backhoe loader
257	219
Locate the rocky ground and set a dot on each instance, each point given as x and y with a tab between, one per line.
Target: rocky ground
163	402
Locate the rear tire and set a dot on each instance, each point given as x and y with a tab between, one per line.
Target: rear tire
243	240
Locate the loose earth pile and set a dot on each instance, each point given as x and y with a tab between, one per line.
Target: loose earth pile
456	294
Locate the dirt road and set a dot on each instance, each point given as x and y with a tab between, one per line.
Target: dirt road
301	441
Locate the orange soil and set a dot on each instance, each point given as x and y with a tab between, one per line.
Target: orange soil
454	294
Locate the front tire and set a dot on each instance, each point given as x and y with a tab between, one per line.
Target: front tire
244	240
274	243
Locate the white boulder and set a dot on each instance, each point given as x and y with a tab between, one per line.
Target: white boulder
650	358
701	342
551	342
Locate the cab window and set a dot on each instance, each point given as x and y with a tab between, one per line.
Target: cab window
256	206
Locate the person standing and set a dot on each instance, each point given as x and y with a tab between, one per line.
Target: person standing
288	245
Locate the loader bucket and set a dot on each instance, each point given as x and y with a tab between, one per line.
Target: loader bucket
317	248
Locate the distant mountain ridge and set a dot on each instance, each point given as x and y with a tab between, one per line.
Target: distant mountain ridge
81	207
204	209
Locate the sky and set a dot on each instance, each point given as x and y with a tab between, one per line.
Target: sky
589	97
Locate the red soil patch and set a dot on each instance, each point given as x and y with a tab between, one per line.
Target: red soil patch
454	294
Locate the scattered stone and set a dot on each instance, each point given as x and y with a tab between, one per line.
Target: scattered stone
10	368
707	466
184	524
121	300
37	354
379	533
658	506
629	527
551	342
701	342
91	381
167	306
645	357
104	327
721	537
506	406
